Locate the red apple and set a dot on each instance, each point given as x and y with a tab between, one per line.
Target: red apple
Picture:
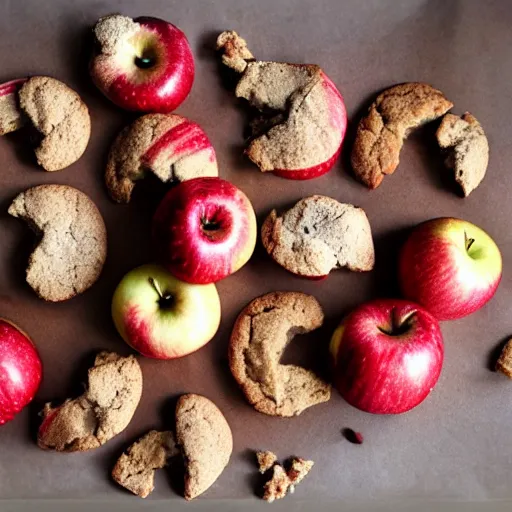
450	266
144	64
204	230
10	115
387	356
20	370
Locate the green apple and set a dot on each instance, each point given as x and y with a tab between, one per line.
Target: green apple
162	317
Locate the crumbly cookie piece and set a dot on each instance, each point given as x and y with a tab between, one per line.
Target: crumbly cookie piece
317	235
391	117
277	486
504	363
260	335
266	460
61	117
170	146
298	470
308	119
11	117
73	246
135	469
205	439
103	411
468	148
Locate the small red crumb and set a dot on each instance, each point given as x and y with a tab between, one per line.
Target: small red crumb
352	436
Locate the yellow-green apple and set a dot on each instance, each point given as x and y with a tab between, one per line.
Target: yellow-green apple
144	64
20	370
162	317
387	356
204	230
449	266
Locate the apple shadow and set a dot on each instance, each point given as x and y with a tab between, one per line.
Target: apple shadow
385	274
495	353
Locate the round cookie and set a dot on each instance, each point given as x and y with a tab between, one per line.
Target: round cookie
172	147
260	335
468	149
206	442
391	117
103	411
319	234
56	112
73	240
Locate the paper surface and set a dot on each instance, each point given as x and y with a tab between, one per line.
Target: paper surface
456	445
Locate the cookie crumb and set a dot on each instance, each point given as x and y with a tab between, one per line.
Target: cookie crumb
298	470
504	363
277	487
352	436
265	460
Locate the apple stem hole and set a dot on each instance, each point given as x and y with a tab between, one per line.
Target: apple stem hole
164	299
145	61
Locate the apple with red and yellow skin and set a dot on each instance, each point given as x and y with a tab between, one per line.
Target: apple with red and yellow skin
450	266
162	317
144	64
387	356
20	370
204	230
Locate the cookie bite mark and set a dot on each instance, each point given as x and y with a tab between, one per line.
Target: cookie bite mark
258	340
172	147
73	240
317	235
468	149
205	440
381	133
135	469
11	116
144	64
303	116
103	411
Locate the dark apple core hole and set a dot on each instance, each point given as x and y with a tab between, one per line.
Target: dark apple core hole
165	299
146	60
398	328
212	229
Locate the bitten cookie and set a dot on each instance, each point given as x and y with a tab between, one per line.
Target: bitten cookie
381	133
135	469
468	149
103	411
302	137
260	335
317	235
205	439
73	240
170	146
56	111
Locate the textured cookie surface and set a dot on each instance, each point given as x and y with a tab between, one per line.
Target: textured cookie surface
381	133
469	149
317	235
11	117
504	363
277	486
61	117
170	146
259	338
265	460
103	411
73	246
205	439
135	469
309	122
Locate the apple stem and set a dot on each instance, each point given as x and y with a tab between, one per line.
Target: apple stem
468	241
156	286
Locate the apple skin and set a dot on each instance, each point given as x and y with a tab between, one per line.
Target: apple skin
438	272
204	230
164	85
159	330
384	373
20	370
